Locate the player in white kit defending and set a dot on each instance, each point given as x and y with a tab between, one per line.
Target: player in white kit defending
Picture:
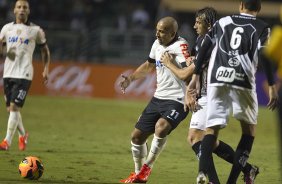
20	38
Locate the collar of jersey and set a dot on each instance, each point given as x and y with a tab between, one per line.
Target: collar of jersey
173	40
246	14
27	23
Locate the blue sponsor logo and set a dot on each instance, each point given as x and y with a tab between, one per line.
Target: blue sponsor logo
15	39
159	63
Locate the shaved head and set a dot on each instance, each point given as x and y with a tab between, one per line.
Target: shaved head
166	30
169	23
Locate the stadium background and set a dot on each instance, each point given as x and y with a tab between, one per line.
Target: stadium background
92	40
80	123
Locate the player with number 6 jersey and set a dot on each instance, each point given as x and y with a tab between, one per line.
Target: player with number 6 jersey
239	40
166	109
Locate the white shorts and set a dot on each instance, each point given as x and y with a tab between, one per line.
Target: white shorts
199	118
222	100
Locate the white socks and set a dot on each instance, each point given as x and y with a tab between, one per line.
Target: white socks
12	125
157	146
21	129
139	153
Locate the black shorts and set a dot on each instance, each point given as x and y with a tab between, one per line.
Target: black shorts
170	110
15	90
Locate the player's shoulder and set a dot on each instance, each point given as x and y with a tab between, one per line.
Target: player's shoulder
8	25
33	25
177	42
181	40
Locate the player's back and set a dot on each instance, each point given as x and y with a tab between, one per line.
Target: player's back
238	39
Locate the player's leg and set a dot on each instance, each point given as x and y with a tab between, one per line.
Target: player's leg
143	129
195	137
163	127
206	164
139	153
197	126
217	117
12	125
242	152
139	148
172	113
245	109
9	94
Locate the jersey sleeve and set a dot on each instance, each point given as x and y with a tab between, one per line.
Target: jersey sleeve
2	33
40	39
182	53
264	38
152	55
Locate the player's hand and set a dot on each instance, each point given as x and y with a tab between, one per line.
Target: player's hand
273	98
45	75
191	95
167	59
11	53
190	60
124	83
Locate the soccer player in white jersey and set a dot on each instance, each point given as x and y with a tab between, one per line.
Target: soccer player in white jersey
205	18
166	109
239	40
20	38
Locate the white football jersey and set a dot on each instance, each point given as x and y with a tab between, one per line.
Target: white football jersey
21	38
169	87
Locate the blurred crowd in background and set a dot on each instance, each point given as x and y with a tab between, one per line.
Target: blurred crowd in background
103	31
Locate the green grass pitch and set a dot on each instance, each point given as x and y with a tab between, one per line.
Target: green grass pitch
88	141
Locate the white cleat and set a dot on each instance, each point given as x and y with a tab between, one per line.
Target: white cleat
202	178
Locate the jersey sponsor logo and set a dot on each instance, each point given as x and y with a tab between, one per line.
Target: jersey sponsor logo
14	39
184	50
225	74
240	76
233	62
179	99
159	63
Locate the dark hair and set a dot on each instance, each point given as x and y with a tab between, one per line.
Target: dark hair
209	15
252	5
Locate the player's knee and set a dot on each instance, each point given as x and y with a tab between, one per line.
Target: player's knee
139	138
162	128
13	107
190	139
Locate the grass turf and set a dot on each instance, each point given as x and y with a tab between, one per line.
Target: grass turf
88	141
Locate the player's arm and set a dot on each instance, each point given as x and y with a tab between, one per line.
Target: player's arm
45	55
272	90
1	48
191	90
181	73
266	63
139	73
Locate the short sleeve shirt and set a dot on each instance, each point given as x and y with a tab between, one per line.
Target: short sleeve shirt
21	39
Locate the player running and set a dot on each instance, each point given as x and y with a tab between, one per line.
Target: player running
20	38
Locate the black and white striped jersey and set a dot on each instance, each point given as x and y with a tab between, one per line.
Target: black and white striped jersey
203	76
234	60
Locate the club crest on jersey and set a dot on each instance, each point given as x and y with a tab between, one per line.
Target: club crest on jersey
19	32
225	74
233	62
14	39
159	63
